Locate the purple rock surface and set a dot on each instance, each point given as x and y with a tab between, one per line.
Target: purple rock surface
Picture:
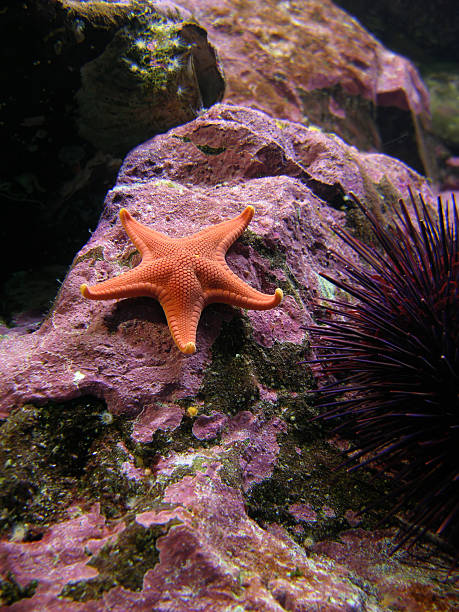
122	351
235	504
311	61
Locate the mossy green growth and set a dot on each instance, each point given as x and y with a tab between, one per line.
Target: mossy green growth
182	138
208	150
100	14
42	453
276	256
326	288
103	479
280	367
229	384
123	562
11	591
380	198
154	51
47	453
306	474
95	254
239	364
443	87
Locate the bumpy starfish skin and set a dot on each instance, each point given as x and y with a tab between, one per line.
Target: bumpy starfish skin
184	275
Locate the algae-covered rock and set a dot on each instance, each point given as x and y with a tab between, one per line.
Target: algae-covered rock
157	71
444	96
137	477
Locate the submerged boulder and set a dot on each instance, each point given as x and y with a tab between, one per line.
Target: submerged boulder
137	476
197	175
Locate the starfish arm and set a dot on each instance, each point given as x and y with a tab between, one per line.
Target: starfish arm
129	284
148	241
182	302
230	289
217	239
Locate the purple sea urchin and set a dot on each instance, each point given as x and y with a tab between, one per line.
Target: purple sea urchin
394	356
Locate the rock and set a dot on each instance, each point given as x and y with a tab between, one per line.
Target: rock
116	73
138	477
69	542
157	72
215	166
207	427
313	63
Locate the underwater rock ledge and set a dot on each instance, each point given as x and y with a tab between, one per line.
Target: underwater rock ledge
176	482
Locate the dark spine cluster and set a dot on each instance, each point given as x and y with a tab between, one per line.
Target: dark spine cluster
392	352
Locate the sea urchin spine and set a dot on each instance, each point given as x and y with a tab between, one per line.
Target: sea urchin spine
393	351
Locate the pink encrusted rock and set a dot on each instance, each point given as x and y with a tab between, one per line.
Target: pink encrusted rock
257	436
212	556
161	416
200	511
310	61
328	512
260	452
60	557
368	553
122	351
303	512
399	84
228	560
207	427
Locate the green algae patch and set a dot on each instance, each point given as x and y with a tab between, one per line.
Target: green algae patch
326	288
48	453
11	591
239	364
307	494
229	383
208	150
42	453
443	87
275	255
95	254
279	367
104	480
305	482
120	563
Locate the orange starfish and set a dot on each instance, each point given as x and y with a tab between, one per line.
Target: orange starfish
184	275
